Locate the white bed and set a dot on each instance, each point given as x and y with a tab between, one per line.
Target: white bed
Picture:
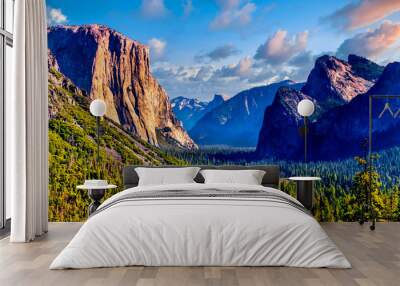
185	230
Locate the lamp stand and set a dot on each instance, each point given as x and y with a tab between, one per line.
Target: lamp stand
305	143
98	140
305	139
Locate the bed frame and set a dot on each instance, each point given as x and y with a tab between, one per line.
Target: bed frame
271	177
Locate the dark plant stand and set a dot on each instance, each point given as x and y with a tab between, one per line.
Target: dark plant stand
305	190
96	194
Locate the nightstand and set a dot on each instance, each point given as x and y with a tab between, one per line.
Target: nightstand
96	193
305	190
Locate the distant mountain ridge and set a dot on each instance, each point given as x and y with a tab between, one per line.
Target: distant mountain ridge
108	65
237	121
190	110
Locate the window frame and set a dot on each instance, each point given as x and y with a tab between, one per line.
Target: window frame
6	39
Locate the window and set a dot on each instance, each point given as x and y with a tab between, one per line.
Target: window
6	65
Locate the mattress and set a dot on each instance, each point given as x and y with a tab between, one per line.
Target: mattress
201	225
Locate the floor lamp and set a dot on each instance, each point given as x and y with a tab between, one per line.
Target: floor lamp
305	108
305	184
96	188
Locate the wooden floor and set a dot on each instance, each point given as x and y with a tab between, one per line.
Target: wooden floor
375	257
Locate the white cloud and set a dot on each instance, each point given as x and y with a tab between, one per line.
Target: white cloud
204	80
372	43
280	48
233	15
301	65
203	74
56	16
157	48
200	81
153	8
241	69
362	13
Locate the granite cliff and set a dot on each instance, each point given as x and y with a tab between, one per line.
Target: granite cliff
332	82
279	136
108	65
340	90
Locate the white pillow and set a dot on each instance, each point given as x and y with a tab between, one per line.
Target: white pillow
248	177
166	176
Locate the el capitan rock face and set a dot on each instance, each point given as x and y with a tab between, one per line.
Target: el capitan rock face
190	110
237	121
110	66
332	82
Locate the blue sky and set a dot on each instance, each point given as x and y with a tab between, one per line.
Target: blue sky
203	47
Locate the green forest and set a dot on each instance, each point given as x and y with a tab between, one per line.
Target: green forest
342	192
340	196
72	150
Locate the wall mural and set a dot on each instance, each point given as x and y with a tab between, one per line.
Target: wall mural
218	82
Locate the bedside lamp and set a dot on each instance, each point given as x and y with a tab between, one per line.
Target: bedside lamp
305	184
98	109
96	188
305	108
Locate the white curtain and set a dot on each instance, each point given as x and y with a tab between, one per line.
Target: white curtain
27	123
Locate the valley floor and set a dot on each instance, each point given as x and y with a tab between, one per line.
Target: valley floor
375	257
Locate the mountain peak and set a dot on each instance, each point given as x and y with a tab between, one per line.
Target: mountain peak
332	82
219	98
365	68
98	29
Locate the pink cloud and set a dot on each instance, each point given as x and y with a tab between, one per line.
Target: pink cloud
241	69
363	13
371	43
280	48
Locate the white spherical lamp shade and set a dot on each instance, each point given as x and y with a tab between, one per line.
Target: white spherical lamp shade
98	107
305	107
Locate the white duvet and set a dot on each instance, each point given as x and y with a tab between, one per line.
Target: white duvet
200	231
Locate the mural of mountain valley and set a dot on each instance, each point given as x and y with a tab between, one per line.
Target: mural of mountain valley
256	126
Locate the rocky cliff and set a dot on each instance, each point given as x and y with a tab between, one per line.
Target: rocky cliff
279	135
110	66
72	149
340	122
332	82
348	125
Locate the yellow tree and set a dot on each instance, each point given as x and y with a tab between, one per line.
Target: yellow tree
367	187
